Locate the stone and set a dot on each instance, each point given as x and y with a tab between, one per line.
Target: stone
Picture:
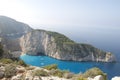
1	74
116	78
20	69
37	78
28	75
99	77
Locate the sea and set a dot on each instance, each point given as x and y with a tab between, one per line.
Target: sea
112	69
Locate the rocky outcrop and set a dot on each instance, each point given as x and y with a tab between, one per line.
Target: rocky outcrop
116	78
25	73
99	77
60	47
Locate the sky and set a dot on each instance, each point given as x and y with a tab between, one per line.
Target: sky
82	13
91	21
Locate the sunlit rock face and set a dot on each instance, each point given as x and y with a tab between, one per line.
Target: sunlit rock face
116	78
60	47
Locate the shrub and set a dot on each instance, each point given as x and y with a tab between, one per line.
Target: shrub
94	72
40	73
6	61
57	72
22	63
81	78
50	67
10	70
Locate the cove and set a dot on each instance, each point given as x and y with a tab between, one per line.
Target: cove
112	69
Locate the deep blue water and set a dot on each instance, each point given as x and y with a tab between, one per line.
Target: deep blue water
112	69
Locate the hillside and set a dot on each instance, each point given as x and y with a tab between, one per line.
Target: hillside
11	28
59	46
18	38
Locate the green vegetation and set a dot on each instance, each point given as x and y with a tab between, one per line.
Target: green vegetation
60	39
94	72
57	72
40	73
1	50
10	70
6	61
50	67
81	78
22	63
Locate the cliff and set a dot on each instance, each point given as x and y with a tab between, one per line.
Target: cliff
60	47
10	31
17	38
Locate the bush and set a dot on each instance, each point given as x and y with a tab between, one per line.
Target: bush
6	61
22	63
10	70
94	72
57	72
40	73
50	67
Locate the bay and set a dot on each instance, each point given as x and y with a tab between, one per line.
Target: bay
112	69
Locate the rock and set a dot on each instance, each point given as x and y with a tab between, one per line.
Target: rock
20	69
60	47
1	74
18	77
2	68
23	39
116	78
37	78
28	75
99	77
68	75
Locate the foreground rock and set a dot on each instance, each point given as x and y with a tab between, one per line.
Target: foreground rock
60	47
17	72
99	77
116	78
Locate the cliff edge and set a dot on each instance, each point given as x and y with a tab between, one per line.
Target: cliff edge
61	47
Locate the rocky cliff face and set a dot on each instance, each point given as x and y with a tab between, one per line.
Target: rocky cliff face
10	31
60	47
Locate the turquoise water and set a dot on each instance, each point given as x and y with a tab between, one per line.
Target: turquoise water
112	69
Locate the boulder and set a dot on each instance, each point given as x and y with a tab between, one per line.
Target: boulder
37	78
17	77
99	77
1	74
116	78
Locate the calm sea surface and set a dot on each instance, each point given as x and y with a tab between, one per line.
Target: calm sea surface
112	69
